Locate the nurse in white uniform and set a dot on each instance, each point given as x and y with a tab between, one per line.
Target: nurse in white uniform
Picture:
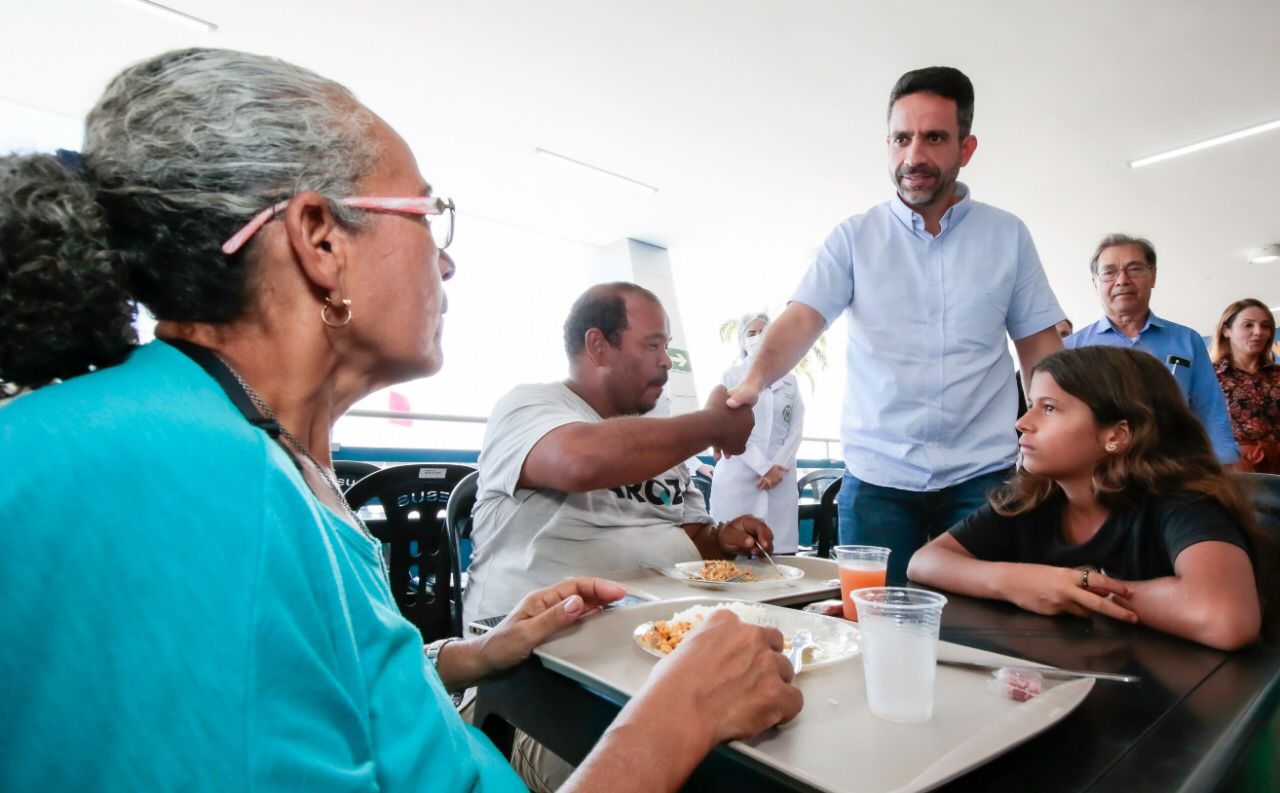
762	480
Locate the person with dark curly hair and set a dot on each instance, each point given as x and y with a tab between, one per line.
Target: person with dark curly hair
1120	508
53	241
231	626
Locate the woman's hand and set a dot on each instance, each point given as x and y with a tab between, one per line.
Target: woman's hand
730	677
1045	589
745	534
540	615
771	478
728	680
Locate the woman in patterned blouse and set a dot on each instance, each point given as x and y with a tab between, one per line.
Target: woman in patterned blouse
1242	357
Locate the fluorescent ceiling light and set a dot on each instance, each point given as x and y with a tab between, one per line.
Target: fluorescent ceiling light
1267	254
1206	144
628	181
174	15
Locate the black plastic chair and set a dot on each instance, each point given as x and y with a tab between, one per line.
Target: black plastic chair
1264	491
349	472
826	526
811	486
418	547
457	517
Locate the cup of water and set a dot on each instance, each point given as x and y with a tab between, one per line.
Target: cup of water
899	650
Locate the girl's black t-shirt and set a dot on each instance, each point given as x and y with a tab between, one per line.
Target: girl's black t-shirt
1138	542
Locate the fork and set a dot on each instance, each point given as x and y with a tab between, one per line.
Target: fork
802	641
769	559
733	579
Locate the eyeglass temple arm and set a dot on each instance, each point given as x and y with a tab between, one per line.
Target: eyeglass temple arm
242	236
426	205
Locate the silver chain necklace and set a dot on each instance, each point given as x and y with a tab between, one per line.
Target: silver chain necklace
295	445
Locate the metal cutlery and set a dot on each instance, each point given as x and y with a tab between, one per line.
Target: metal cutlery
1043	670
769	559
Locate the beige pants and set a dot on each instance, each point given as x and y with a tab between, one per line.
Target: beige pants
540	768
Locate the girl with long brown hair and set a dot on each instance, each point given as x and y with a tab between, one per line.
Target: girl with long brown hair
1119	508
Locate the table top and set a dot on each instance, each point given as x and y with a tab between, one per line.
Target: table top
1184	727
836	730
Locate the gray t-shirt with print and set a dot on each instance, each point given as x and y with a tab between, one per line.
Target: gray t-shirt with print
528	538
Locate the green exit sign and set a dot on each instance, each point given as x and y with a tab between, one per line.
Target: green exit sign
679	359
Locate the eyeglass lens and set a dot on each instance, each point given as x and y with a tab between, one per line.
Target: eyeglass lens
1131	270
442	228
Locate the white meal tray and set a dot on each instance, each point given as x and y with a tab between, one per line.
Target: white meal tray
652	585
835	744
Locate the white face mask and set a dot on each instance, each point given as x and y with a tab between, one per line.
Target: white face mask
752	344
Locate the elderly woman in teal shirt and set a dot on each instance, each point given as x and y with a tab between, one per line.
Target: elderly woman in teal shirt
193	604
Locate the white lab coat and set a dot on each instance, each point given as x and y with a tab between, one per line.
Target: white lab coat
774	441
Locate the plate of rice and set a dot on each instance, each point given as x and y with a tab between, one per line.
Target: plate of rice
719	574
834	640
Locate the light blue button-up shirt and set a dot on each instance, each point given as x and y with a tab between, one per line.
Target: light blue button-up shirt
1199	383
931	399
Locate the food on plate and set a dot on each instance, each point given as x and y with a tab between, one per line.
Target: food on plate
723	570
828	641
665	635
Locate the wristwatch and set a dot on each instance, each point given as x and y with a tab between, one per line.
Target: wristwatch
432	650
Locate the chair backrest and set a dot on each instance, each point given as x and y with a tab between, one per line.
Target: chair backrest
1264	492
827	525
349	472
816	481
416	535
457	517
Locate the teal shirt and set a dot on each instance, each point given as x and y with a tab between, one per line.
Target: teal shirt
182	613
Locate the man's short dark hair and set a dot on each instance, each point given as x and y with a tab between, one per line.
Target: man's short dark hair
604	307
1115	241
946	82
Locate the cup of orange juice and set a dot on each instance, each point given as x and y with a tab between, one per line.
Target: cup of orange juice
861	567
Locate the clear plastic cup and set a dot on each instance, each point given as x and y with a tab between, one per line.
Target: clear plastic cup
861	566
900	650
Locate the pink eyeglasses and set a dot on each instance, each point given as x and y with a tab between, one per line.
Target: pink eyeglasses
441	230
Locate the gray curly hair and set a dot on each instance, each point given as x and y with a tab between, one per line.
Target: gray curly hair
184	148
179	153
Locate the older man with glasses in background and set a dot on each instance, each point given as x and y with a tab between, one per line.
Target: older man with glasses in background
1124	274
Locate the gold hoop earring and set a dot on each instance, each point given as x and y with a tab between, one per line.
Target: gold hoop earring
1111	447
324	313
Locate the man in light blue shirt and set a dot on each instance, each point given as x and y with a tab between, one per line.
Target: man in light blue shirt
931	282
1124	273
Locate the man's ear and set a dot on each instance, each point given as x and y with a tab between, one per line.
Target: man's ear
967	147
318	241
596	347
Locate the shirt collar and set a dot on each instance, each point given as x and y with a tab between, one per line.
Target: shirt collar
915	221
1104	325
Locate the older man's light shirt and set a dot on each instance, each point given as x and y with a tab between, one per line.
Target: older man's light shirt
931	399
1199	382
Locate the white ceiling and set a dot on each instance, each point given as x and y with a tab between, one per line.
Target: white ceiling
762	123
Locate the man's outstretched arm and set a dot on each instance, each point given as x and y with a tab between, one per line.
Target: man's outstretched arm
584	456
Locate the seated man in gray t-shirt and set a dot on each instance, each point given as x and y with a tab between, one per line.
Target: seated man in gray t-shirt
574	481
